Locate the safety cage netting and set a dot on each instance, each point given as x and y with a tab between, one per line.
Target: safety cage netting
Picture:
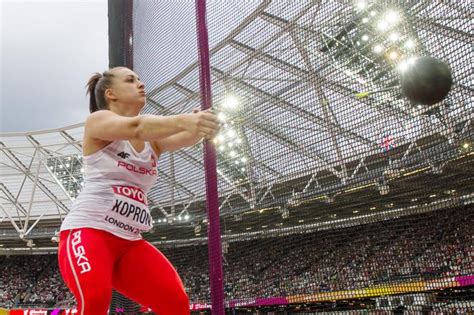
336	193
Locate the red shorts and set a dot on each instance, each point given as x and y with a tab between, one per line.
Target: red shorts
92	262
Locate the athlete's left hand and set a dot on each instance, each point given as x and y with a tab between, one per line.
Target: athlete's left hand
214	131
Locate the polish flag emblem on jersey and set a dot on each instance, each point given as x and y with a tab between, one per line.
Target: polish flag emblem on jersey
153	161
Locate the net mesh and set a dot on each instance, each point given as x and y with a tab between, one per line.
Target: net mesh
336	193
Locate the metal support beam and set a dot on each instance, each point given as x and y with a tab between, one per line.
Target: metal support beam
76	144
9	196
323	101
431	25
273	99
27	172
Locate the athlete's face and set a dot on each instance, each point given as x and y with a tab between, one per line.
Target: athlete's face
127	88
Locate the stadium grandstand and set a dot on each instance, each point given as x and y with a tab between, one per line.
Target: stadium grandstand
336	194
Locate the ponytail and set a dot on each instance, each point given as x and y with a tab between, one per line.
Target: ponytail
96	87
91	86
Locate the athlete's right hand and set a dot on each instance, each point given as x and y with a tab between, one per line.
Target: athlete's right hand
202	124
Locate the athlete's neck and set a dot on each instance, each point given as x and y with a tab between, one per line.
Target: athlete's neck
124	110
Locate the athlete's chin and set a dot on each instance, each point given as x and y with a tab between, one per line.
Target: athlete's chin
141	104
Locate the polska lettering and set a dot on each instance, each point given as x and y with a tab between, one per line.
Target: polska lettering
80	252
134	193
126	209
139	170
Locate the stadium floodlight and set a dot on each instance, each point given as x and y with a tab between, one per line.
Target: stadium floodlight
409	44
378	48
365	37
383	188
295	199
231	133
222	117
285	213
392	17
230	102
383	25
329	198
219	139
361	5
394	37
436	169
402	66
225	247
365	20
186	217
405	64
394	55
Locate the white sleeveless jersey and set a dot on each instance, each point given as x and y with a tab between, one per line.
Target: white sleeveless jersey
116	182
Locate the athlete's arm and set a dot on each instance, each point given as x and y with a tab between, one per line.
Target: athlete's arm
186	138
108	126
176	142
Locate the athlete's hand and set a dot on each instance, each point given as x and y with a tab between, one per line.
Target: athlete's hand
203	124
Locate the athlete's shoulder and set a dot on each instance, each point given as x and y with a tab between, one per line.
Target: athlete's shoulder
100	114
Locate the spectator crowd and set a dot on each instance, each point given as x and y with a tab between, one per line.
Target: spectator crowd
430	246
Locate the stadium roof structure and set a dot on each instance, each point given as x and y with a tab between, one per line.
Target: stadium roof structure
292	151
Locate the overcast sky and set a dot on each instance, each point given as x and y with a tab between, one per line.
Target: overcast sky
48	50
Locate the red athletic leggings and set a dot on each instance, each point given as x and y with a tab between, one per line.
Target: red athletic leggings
92	262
